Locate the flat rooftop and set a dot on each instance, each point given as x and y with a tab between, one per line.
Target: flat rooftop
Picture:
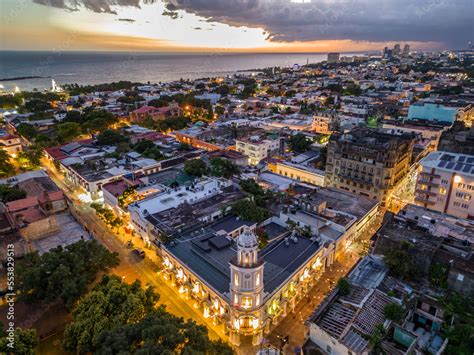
210	260
338	200
461	164
437	223
188	214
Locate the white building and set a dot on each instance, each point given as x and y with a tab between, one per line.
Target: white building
172	198
257	149
446	184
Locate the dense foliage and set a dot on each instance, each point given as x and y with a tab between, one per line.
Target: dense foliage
394	312
63	272
10	193
249	211
116	317
195	167
6	167
299	143
223	168
25	342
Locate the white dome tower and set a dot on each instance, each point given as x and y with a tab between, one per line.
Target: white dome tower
246	285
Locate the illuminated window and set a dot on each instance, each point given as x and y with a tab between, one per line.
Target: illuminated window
257	280
246	302
236	279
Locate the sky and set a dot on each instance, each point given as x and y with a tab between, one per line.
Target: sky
235	25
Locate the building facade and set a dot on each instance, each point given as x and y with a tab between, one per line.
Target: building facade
257	149
446	184
368	162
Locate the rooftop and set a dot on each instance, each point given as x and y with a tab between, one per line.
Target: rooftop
437	223
210	260
458	163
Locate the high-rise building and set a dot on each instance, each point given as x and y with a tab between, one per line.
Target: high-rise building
368	162
406	50
446	184
396	50
333	57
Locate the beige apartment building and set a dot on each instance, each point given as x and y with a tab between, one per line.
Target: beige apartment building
446	184
368	162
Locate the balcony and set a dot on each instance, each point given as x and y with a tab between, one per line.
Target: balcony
428	183
428	175
426	192
424	200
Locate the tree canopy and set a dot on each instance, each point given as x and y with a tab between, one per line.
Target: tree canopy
195	167
6	167
10	193
110	137
400	262
299	143
25	342
394	312
116	317
223	168
63	272
249	211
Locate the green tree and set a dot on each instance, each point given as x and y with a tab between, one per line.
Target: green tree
220	110
110	137
25	342
30	158
63	272
195	167
67	131
223	168
26	130
143	145
460	332
111	303
6	167
376	338
116	317
299	143
344	286
10	193
394	312
261	197
400	262
249	211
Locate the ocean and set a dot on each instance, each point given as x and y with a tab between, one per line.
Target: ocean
105	67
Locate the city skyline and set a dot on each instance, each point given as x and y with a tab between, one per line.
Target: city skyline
236	26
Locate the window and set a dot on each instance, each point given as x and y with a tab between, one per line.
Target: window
460	277
246	302
444	182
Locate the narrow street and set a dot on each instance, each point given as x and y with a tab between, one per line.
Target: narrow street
131	267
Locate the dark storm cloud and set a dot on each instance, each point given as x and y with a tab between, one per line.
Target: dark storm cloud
448	21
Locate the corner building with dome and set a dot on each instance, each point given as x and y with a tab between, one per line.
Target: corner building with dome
244	290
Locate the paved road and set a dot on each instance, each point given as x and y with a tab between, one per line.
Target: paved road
132	268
